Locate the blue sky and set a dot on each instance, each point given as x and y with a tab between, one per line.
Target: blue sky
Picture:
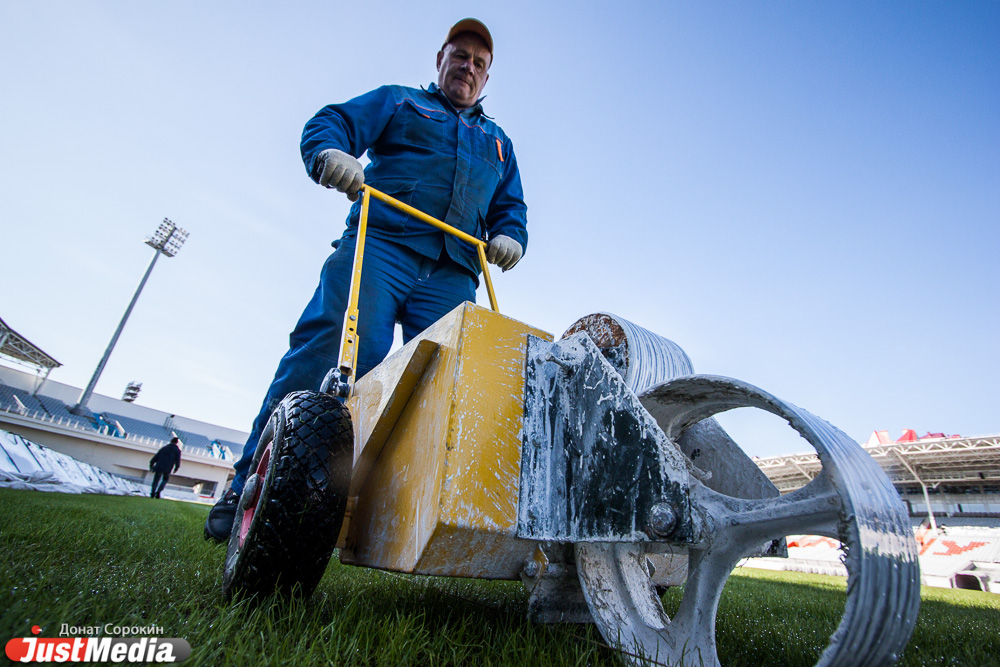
805	196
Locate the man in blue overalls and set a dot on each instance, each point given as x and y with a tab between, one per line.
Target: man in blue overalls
436	150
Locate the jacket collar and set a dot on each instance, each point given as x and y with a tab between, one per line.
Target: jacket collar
476	109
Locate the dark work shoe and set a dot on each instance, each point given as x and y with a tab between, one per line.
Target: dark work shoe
219	523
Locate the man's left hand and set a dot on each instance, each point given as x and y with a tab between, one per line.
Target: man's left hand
504	252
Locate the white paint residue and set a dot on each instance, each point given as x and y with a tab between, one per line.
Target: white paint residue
899	544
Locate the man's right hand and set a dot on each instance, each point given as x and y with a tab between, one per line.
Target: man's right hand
340	171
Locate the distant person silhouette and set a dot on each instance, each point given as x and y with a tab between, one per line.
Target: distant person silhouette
164	462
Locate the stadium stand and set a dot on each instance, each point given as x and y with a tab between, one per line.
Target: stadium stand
20	401
27	465
194	441
44	418
41	407
17	400
137	427
225	449
951	487
956	555
934	474
58	409
114	435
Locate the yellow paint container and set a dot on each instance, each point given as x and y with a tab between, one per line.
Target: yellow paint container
438	452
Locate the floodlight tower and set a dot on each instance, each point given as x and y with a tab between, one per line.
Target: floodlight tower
167	239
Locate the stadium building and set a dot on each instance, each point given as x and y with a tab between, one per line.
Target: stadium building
951	488
115	435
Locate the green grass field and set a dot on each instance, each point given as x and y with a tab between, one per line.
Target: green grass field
91	560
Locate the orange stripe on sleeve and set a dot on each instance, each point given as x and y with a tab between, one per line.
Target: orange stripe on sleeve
499	149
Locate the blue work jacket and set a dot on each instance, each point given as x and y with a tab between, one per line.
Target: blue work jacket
457	166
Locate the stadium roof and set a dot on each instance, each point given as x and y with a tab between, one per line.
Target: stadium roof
16	347
929	461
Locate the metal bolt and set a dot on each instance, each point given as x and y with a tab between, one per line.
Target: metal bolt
567	365
662	520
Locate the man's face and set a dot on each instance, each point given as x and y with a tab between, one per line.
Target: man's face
462	69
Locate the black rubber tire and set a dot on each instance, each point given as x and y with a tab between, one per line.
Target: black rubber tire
303	496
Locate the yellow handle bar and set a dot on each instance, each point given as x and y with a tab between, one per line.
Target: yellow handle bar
350	341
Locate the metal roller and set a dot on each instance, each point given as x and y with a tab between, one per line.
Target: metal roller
646	359
640	356
735	515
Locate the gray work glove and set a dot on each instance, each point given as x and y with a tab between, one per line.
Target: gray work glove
341	171
504	252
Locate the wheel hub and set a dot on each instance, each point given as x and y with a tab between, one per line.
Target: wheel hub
250	492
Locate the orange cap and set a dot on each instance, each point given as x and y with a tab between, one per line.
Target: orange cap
474	26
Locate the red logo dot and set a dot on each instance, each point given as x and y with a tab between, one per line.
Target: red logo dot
35	630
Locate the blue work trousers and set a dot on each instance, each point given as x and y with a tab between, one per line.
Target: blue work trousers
397	285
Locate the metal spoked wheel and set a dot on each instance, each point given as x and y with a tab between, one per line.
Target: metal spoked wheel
850	500
293	504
